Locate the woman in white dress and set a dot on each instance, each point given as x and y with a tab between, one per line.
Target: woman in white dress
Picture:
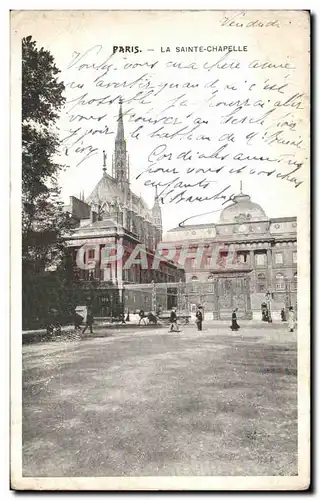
291	319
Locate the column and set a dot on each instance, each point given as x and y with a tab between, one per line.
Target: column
117	266
97	271
251	258
253	274
107	276
216	312
124	217
269	264
179	296
146	233
106	268
130	216
139	227
154	297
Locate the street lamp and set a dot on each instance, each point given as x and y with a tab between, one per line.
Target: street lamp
153	297
268	297
122	305
288	293
111	305
179	296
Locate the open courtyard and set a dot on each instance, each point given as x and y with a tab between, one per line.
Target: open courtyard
143	402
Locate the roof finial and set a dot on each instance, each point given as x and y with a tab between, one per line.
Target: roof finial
104	168
241	187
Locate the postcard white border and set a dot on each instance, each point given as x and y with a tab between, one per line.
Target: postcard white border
158	482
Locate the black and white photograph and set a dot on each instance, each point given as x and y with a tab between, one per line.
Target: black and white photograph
160	219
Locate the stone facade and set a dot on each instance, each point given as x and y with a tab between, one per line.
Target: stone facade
113	200
114	215
245	255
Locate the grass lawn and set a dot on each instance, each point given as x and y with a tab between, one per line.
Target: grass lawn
147	403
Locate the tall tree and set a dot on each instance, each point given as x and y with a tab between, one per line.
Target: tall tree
43	219
42	99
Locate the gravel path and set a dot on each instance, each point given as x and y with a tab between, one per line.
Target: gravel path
146	402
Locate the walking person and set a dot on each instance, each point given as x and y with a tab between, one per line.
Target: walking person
142	317
54	327
89	322
173	321
159	311
234	323
291	319
152	319
199	318
283	315
77	320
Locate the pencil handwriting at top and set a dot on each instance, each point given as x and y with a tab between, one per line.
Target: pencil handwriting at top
202	122
240	20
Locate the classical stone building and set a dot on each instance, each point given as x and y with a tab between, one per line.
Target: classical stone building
114	215
248	259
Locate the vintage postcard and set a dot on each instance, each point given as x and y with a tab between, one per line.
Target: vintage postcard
160	250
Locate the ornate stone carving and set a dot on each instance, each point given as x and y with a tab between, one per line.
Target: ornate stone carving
243	217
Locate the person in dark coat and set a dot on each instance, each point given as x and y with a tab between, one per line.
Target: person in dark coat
89	320
77	320
54	326
173	322
234	324
159	311
291	319
283	315
152	318
199	318
142	317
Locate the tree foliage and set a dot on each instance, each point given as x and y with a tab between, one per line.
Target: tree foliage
43	218
41	91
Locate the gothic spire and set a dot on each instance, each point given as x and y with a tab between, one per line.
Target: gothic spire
156	198
156	211
104	167
120	163
120	129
